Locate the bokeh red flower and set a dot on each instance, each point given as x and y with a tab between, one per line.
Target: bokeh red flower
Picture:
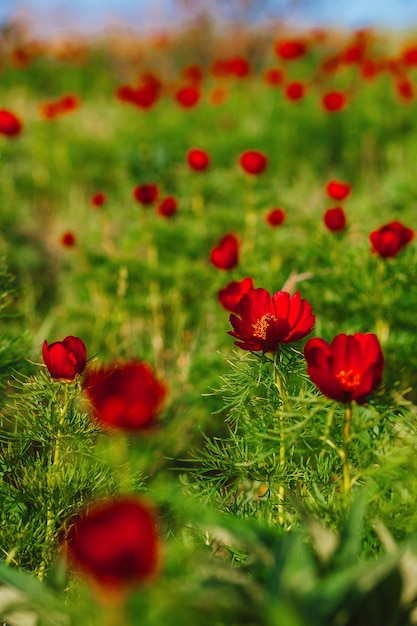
198	159
274	76
263	321
115	544
167	207
253	162
188	96
275	217
98	199
390	239
126	396
147	193
349	368
335	219
225	256
295	90
65	359
10	124
337	190
334	101
230	295
290	49
68	239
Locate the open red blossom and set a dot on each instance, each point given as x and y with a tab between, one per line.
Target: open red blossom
225	256
290	49
127	396
198	159
335	219
167	207
65	359
337	190
275	217
10	124
253	162
390	239
115	544
294	91
334	101
98	199
146	193
188	96
350	368
230	295
266	321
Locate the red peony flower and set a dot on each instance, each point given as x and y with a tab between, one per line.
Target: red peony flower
334	101
225	256
275	217
390	239
188	96
68	239
294	90
350	368
98	199
266	321
10	124
198	159
337	190
115	543
253	162
126	396
230	295
335	219
290	49
168	207
66	359
146	193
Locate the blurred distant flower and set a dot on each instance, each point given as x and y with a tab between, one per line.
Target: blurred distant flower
198	159
274	76
193	74
295	90
409	56
218	95
237	67
65	359
405	89
335	219
10	124
68	239
290	49
230	295
225	255
337	190
146	193
115	543
167	207
188	96
390	239
349	368
334	101
266	321
98	199
67	103
253	162
275	217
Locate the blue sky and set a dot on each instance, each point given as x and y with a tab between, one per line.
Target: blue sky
90	15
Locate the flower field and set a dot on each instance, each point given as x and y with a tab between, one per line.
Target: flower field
208	292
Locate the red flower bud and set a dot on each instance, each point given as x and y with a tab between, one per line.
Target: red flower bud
225	256
10	124
337	190
253	162
275	217
335	219
65	359
146	193
198	159
168	207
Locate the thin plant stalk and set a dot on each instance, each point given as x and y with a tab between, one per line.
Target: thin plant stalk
347	481
281	391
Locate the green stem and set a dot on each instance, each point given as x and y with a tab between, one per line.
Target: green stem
347	483
279	382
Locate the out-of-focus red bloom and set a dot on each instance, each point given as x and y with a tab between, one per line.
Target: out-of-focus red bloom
225	256
68	239
115	544
295	90
353	54
350	368
275	217
167	207
390	239
334	101
409	56
126	396
230	295
192	74
98	199
198	159
290	49
65	359
218	95
404	87
146	193
237	66
335	219
274	76
67	103
10	124
266	321
253	162
369	69
337	190
144	95
188	96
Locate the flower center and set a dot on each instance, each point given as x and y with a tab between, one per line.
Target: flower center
349	380
261	326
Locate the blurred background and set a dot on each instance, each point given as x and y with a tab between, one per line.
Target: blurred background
50	16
